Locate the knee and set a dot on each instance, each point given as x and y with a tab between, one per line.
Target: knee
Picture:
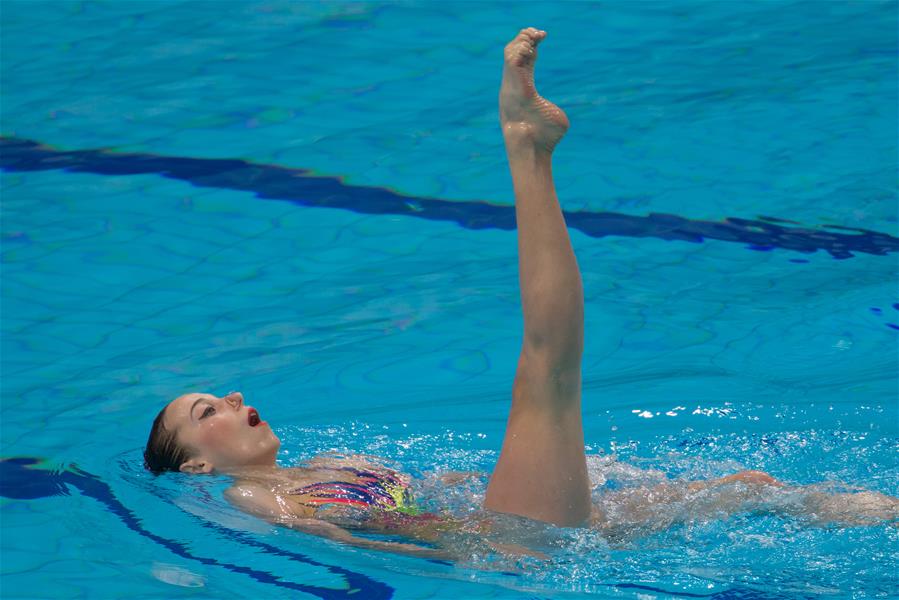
752	477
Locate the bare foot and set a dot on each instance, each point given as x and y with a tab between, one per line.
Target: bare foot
858	508
525	116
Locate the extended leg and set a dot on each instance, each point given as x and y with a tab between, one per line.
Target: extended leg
640	511
542	471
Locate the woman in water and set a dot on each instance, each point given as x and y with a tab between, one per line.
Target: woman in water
542	472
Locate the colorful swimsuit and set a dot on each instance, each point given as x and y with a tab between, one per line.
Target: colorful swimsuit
384	491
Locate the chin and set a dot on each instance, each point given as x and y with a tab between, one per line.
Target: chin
272	450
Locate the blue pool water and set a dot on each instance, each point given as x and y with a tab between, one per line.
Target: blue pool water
310	203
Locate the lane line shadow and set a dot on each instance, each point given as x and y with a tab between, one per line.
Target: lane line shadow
300	186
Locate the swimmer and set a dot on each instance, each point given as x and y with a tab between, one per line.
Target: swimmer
541	473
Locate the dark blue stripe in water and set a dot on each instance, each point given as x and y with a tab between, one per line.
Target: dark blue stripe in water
301	187
20	478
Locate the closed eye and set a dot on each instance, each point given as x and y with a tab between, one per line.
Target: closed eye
208	412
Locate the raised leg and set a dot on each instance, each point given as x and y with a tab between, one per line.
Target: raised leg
542	471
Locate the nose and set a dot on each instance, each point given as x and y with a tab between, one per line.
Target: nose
235	399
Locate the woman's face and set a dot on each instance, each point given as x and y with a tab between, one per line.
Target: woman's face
222	433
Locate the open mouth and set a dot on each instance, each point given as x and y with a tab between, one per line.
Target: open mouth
253	417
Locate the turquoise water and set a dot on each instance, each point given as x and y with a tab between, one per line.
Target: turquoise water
148	269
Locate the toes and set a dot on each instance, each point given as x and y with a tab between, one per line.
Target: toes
531	34
523	45
525	48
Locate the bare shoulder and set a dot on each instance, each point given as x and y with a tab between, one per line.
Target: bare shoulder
255	499
259	500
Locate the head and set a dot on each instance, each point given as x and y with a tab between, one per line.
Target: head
202	433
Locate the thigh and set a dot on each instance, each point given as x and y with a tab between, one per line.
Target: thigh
542	470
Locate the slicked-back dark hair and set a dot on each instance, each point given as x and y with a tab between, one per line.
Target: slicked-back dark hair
163	452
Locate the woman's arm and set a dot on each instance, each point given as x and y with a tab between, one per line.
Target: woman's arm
339	534
262	503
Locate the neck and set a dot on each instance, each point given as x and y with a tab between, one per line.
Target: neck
254	470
